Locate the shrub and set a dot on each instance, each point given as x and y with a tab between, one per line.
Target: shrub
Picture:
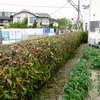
26	66
85	36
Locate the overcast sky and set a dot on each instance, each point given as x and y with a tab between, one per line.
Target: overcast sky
52	7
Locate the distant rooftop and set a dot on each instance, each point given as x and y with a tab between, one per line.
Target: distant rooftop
34	13
86	7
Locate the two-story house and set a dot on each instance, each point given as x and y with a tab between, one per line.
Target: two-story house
41	18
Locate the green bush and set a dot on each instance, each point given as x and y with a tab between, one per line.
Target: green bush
88	52
92	56
85	36
26	66
78	82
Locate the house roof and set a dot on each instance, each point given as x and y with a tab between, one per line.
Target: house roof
86	7
6	18
36	14
42	14
52	19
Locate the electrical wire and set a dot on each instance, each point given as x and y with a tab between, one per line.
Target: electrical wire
59	9
32	5
73	4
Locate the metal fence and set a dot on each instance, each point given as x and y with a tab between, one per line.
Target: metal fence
9	36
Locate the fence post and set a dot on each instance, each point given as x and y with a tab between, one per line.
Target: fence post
0	36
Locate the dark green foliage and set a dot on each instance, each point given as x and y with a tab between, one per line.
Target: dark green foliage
94	62
26	66
23	24
98	86
92	56
85	36
78	82
51	25
88	52
34	24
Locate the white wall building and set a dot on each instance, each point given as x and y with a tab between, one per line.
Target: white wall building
86	11
41	18
94	30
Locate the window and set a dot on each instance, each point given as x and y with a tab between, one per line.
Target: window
18	19
6	13
3	13
32	19
94	25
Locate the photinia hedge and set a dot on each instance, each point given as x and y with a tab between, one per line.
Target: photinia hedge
26	66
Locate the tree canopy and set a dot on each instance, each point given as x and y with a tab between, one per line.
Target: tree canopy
63	23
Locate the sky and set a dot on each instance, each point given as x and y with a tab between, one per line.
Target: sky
56	8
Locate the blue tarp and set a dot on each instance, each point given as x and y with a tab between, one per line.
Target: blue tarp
5	34
46	30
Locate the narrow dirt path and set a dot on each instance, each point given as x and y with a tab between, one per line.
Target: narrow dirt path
93	94
54	88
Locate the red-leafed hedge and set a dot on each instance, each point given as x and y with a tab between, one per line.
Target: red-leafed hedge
26	66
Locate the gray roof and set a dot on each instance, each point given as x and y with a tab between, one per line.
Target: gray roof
36	14
86	7
52	19
43	15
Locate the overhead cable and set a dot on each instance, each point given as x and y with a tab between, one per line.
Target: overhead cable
59	9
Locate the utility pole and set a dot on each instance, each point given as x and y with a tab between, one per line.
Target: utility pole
78	21
78	10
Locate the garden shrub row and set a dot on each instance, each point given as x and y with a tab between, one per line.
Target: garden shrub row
92	55
27	65
78	82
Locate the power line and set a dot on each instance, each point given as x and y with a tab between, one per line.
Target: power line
82	2
72	3
33	6
78	10
59	8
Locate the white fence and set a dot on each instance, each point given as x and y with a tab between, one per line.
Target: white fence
14	35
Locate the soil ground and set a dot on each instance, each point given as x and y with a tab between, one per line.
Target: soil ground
54	88
93	94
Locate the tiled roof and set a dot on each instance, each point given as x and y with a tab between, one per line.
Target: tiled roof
42	14
36	14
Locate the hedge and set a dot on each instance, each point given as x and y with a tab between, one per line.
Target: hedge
27	65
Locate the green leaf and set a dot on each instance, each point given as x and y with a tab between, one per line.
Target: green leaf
9	81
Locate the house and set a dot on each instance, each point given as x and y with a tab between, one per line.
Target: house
54	21
94	29
5	18
86	11
41	18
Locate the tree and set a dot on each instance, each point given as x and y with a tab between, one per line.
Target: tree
69	25
81	25
63	23
25	20
51	25
23	24
34	24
